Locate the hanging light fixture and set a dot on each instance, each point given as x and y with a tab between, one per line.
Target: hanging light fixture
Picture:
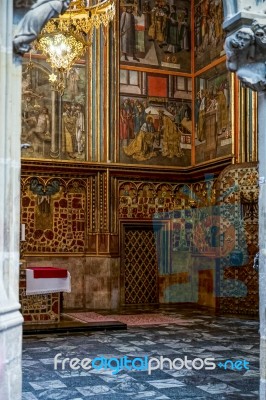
65	39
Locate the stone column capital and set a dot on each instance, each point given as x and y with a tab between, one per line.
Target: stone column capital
245	44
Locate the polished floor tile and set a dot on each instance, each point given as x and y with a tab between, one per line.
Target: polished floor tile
232	342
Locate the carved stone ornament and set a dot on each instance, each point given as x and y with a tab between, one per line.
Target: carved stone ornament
245	45
34	20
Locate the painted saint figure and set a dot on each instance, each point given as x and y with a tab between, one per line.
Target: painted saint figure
171	137
184	31
126	121
172	37
41	131
139	116
69	130
201	115
80	128
141	148
128	41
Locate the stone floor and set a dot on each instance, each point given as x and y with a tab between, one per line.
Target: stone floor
196	336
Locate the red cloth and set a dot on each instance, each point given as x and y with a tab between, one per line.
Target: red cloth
48	272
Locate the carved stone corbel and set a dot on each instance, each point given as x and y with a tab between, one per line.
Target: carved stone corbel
245	45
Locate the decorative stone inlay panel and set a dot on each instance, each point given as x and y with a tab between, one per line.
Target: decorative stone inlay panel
143	200
214	220
42	308
55	222
238	189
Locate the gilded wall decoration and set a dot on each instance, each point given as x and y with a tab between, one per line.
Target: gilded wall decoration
156	33
103	203
238	188
146	200
54	126
143	200
209	36
213	120
91	198
155	123
54	212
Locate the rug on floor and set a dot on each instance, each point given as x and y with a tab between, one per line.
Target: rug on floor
129	319
90	317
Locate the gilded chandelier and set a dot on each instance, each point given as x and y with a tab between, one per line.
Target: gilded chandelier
65	39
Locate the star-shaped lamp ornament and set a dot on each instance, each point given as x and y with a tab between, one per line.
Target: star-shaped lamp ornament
52	78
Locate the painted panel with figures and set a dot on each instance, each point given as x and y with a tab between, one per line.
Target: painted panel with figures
213	122
208	32
156	33
155	119
53	126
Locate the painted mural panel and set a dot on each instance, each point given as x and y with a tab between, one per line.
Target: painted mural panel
155	33
209	35
155	119
53	126
213	125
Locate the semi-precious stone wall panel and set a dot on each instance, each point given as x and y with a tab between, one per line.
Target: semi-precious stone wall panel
238	191
54	211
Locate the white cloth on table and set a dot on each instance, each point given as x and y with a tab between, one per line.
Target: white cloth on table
46	285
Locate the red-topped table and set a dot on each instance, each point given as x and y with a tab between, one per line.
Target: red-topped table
42	307
43	280
48	272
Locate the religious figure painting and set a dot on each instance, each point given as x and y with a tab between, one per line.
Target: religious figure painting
156	33
213	123
155	122
209	36
53	126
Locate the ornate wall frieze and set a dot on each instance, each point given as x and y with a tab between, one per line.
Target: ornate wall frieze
144	200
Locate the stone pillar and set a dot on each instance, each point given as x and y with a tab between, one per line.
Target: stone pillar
10	106
245	47
262	240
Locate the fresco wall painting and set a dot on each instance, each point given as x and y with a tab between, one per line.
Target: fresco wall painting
208	33
156	33
155	113
53	126
155	118
213	122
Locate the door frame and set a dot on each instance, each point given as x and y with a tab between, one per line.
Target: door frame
164	261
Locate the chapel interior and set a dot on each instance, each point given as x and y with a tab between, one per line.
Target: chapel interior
138	205
140	178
